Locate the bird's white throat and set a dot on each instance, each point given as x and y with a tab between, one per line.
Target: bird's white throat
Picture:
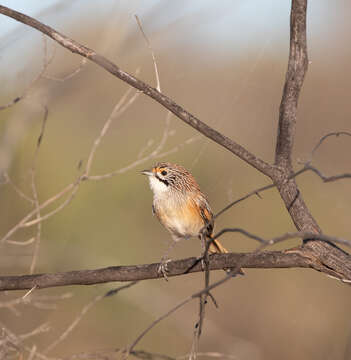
157	186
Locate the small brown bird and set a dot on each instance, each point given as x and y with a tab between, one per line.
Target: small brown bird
180	206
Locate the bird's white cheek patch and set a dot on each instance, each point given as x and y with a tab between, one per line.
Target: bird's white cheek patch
157	186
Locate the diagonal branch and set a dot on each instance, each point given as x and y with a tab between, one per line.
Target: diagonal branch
168	103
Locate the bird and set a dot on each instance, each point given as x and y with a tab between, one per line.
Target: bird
180	206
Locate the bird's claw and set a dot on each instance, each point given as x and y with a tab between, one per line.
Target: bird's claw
202	260
162	268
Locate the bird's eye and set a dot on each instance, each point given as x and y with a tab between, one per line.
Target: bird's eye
164	172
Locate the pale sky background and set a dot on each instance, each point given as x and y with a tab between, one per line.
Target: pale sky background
236	26
217	21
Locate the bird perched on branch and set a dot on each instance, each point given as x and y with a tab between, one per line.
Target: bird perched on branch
180	206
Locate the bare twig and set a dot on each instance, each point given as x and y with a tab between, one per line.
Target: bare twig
46	62
18	191
324	138
251	193
202	299
119	109
49	201
21	243
131	347
215	355
323	177
153	155
111	354
35	192
16	340
40	329
307	167
69	75
81	314
71	188
39	302
158	85
32	352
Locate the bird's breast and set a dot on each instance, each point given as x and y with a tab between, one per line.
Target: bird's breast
181	215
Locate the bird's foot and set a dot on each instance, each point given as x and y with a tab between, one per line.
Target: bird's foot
202	260
162	268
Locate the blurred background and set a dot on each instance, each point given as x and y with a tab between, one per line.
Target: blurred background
225	62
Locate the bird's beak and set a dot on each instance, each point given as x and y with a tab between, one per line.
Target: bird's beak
146	172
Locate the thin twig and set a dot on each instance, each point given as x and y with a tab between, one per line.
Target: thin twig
118	109
35	191
40	302
112	353
151	156
251	193
307	167
72	188
16	340
70	75
19	192
324	138
323	177
202	299
158	85
83	312
46	62
212	354
49	201
21	243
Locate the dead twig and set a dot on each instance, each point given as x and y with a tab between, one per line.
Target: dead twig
35	191
158	85
46	62
83	312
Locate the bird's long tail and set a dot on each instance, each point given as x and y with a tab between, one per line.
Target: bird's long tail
217	247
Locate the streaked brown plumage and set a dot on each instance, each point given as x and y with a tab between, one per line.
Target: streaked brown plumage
179	204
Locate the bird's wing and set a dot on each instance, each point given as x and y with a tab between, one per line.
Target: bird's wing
207	216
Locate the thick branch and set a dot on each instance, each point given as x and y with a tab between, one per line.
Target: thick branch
297	68
263	260
176	109
321	253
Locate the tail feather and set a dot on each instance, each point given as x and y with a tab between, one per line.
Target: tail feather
217	247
